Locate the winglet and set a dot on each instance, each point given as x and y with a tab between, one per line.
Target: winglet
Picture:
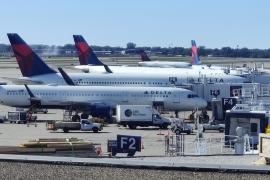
29	92
35	101
86	53
195	56
144	56
29	62
108	70
66	77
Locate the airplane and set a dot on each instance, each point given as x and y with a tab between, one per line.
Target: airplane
35	71
146	62
97	99
254	75
197	63
90	63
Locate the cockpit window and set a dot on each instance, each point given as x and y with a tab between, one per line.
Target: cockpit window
192	95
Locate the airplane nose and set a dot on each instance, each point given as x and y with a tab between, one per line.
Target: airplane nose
201	103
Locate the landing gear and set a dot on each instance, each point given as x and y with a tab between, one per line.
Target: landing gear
132	126
203	117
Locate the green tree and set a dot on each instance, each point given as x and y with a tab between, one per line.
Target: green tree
131	45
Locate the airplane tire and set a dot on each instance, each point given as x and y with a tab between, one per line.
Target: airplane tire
95	129
177	131
132	126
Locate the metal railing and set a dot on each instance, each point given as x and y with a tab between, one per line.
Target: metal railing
176	145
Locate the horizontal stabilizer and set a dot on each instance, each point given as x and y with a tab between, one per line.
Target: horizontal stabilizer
22	81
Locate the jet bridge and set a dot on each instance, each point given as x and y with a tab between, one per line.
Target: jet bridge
223	96
218	91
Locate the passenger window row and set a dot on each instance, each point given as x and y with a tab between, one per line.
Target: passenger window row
119	82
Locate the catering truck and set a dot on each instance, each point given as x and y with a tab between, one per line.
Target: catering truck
140	115
66	126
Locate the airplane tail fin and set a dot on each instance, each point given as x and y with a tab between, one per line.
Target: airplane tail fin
144	56
195	56
86	53
29	62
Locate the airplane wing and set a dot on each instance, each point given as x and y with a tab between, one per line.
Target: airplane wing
21	81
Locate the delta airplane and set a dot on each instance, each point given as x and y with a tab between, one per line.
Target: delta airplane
35	71
196	61
90	63
89	98
147	62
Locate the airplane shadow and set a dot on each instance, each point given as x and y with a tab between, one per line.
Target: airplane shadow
79	132
148	129
212	132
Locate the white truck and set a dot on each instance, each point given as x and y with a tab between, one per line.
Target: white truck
83	125
140	115
214	126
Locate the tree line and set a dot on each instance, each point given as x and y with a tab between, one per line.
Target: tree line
131	48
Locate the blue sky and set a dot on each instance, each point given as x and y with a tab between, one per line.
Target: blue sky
145	22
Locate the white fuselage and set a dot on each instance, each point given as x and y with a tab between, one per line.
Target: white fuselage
132	79
163	64
184	73
173	99
196	71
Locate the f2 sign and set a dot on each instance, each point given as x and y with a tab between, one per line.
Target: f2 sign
126	144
